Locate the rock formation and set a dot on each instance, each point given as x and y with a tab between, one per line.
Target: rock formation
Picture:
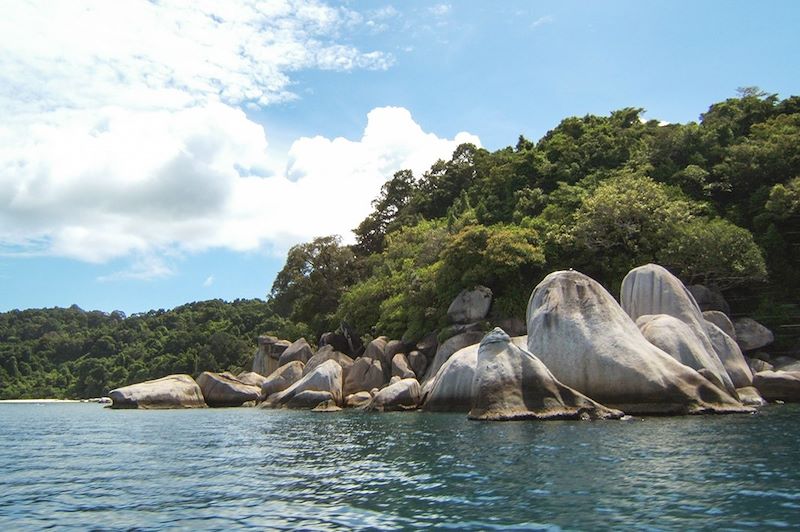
299	351
778	385
326	377
651	289
251	378
751	335
282	378
470	305
404	394
402	368
510	383
364	375
450	346
221	390
173	391
731	356
324	354
591	345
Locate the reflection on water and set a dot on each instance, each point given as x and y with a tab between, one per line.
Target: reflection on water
78	465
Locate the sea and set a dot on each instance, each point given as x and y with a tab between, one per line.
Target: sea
86	467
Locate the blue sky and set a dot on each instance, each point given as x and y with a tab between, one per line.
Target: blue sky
156	154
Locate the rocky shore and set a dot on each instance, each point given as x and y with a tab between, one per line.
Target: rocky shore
661	349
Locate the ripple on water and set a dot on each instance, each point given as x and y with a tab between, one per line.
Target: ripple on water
78	466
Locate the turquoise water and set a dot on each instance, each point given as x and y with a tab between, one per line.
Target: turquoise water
83	466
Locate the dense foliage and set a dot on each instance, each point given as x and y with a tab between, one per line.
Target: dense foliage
717	202
72	353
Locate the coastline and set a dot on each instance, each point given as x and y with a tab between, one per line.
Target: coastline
50	401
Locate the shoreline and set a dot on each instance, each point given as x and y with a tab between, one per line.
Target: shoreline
52	401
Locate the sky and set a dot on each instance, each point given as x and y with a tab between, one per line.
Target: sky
154	153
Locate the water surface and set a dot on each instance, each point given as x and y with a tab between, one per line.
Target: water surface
83	466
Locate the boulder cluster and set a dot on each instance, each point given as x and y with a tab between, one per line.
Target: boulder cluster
663	349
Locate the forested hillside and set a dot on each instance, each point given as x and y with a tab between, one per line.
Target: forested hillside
717	202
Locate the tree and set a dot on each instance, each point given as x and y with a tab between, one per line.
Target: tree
309	286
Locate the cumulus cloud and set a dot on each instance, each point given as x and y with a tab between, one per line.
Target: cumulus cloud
124	134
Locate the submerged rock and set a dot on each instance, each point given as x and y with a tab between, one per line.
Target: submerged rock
173	391
222	390
591	345
404	394
510	383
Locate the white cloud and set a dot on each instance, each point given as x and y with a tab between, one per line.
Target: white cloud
209	281
116	183
122	133
440	10
541	21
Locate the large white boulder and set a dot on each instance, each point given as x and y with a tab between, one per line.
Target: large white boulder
450	390
173	391
651	289
591	345
282	378
675	338
326	353
511	383
326	377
